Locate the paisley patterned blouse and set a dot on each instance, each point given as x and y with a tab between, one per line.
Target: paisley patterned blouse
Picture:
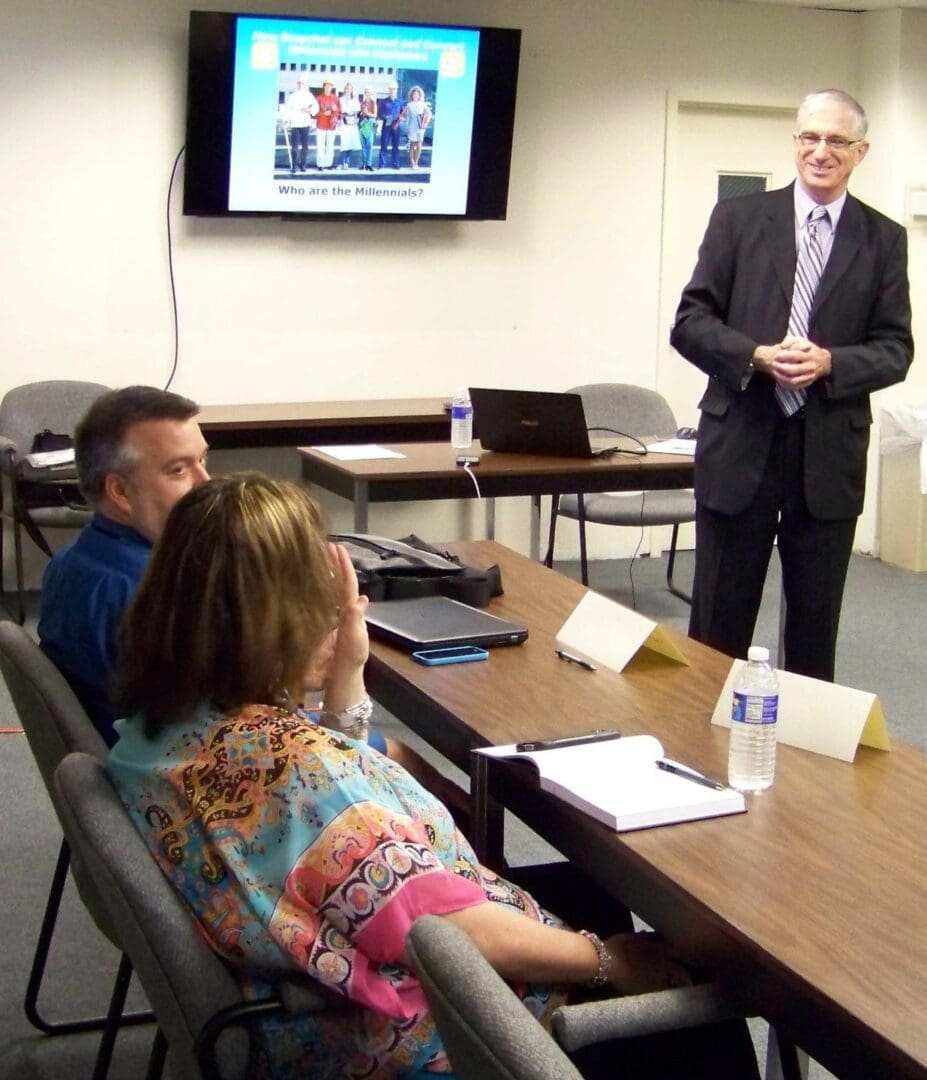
299	849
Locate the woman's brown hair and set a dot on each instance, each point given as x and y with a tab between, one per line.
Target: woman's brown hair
237	595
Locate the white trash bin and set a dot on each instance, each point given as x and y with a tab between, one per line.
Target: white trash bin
903	491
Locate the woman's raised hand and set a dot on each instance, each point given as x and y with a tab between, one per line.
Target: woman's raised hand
350	646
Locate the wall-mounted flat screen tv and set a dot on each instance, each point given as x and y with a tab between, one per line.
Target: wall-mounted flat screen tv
331	118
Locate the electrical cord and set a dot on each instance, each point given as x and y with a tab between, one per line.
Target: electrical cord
469	472
640	541
170	264
639	451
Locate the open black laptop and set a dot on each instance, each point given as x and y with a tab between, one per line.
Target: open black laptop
434	622
536	422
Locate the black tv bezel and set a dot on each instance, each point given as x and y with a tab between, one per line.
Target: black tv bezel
210	81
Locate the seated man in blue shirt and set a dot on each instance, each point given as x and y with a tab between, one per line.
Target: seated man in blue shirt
137	451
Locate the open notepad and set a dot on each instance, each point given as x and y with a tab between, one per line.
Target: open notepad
618	783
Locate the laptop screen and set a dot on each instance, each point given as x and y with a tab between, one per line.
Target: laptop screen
534	422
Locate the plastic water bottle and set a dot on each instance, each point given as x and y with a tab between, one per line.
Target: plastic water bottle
462	419
752	761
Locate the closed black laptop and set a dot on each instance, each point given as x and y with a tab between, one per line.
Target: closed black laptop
436	621
535	422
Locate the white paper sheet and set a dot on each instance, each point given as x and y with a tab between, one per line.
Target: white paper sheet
358	452
51	459
686	447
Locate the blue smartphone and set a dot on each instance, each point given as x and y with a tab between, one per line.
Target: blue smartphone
454	654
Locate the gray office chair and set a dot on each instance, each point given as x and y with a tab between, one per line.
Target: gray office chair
201	1014
37	499
632	410
56	725
490	1035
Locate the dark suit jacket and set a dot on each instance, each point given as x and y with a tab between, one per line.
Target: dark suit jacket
740	296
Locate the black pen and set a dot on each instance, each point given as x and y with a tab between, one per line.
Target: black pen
567	740
689	774
578	660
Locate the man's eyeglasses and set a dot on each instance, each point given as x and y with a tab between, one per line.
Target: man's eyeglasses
834	142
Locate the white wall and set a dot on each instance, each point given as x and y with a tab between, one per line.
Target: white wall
893	85
911	168
564	291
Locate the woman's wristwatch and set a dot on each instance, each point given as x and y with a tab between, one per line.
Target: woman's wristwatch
349	717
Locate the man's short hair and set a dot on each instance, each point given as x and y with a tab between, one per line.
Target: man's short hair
861	123
99	438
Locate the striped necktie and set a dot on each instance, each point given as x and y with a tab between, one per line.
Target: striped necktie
808	272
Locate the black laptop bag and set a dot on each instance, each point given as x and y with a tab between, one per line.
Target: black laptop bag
400	569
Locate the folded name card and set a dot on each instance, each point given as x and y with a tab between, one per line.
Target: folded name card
606	633
819	716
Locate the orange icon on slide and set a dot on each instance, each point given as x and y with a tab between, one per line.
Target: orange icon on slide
453	63
264	55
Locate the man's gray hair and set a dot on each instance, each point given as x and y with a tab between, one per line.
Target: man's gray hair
99	439
861	123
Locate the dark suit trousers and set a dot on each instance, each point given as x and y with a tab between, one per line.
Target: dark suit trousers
732	555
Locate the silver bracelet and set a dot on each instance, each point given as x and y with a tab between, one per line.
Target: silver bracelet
351	722
601	976
362	711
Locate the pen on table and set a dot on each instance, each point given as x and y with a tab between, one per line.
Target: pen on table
578	660
567	740
689	774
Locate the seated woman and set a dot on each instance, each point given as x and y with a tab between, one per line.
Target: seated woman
299	848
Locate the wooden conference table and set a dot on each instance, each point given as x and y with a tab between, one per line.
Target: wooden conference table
428	471
229	427
813	905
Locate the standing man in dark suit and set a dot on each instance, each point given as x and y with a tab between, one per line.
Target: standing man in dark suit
796	315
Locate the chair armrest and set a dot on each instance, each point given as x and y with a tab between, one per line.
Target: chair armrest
242	1015
575	1026
295	995
7	455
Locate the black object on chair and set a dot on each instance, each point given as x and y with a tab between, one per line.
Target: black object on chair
56	725
637	411
40	498
490	1035
201	1012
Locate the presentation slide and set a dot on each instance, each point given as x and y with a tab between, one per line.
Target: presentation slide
304	139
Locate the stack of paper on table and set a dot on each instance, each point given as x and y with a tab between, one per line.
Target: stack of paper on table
51	459
618	783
